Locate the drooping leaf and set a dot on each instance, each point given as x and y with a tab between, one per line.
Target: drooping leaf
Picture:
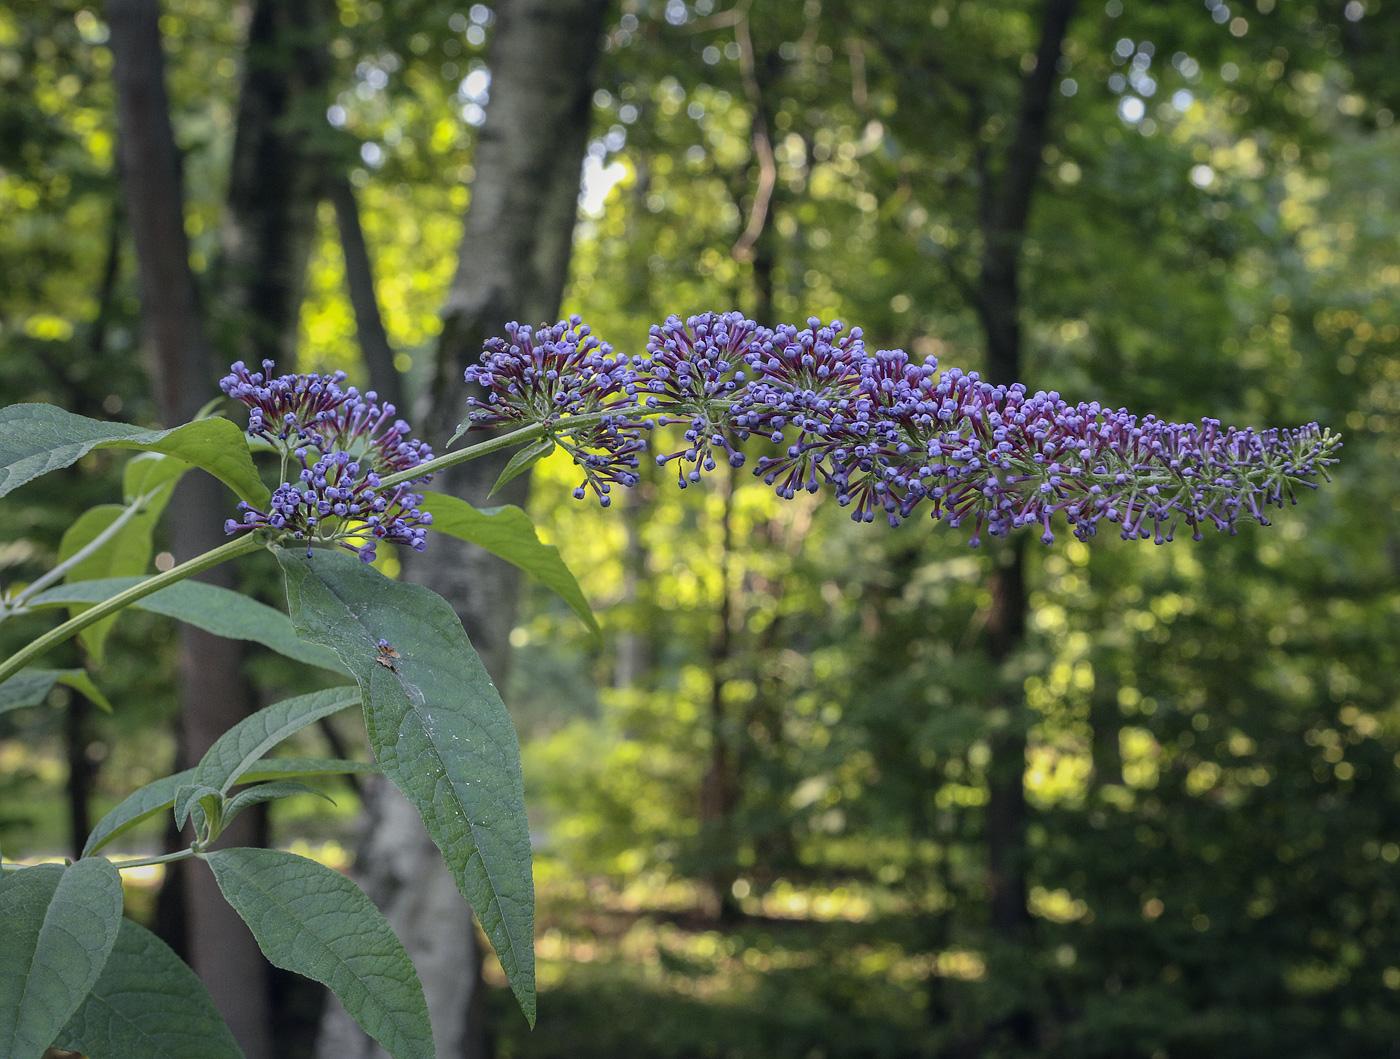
218	610
200	798
149	479
147	1004
243	745
59	925
438	729
32	686
312	920
159	796
267	792
523	460
38	438
507	532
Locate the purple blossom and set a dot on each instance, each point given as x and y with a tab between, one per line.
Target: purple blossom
343	442
553	376
690	367
889	436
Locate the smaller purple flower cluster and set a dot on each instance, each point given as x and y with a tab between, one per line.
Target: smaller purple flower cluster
555	375
885	434
344	441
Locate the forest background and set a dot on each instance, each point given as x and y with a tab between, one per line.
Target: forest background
821	789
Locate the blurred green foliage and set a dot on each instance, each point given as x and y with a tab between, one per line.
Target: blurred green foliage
1214	852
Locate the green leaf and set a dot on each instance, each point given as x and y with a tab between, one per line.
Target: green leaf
438	729
149	473
59	925
140	805
267	792
38	438
127	552
32	686
523	460
79	681
147	1004
218	610
508	533
159	796
314	921
243	745
202	800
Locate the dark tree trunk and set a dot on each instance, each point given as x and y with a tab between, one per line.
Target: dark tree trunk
359	284
212	687
999	306
274	180
513	264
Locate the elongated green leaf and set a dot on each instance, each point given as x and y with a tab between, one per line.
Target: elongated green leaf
199	798
507	532
238	749
38	438
316	922
59	925
147	1004
149	479
438	730
140	805
159	796
32	686
523	460
208	607
267	792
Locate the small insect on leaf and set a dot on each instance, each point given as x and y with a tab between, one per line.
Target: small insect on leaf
387	655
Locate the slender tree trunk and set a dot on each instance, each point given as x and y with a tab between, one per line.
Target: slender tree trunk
212	687
514	261
999	307
359	285
274	180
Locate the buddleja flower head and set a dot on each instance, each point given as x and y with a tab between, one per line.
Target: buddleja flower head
691	366
554	376
890	436
336	445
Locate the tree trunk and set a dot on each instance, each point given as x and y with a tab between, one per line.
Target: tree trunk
274	180
513	265
999	307
212	688
359	285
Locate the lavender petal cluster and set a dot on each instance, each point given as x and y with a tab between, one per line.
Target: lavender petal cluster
889	436
564	377
335	445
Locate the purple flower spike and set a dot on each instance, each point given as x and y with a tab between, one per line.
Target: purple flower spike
886	434
342	442
690	366
552	376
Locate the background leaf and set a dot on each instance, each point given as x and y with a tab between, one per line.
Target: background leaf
38	438
147	1004
59	925
218	610
238	749
129	550
439	730
312	920
32	686
159	796
508	533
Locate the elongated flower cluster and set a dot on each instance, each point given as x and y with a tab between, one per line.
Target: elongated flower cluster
885	434
563	376
335	445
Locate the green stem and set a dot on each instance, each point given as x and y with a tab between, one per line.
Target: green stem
249	542
501	441
165	858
